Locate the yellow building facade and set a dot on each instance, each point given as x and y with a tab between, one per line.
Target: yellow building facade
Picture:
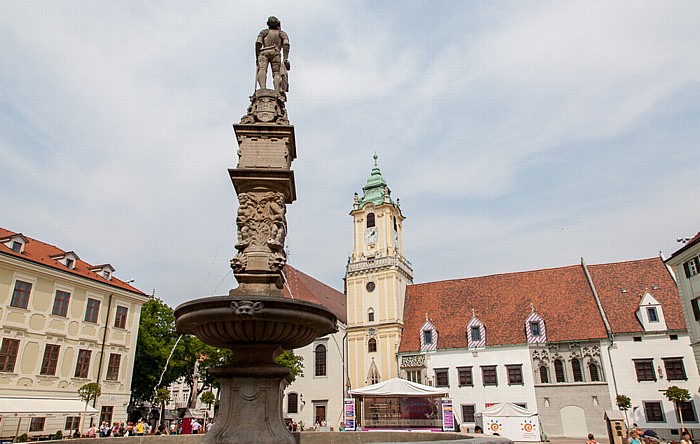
65	323
376	279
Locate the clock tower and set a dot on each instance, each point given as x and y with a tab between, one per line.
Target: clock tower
376	278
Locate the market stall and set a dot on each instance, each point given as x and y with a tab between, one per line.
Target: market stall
399	404
511	421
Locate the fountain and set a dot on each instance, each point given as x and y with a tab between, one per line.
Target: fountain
255	321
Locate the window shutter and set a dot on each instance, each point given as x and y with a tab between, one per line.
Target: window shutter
687	269
696	308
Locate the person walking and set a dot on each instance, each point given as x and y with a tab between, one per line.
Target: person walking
591	439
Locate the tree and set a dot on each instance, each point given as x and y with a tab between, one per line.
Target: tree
86	393
294	362
624	403
207	398
678	396
162	396
157	337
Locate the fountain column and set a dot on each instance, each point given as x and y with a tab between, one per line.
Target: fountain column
255	321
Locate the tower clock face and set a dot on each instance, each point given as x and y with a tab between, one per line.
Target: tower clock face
371	235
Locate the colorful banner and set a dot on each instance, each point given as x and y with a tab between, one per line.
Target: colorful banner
350	414
448	418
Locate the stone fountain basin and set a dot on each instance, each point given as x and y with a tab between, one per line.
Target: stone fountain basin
227	321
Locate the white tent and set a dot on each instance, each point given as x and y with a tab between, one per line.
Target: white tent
511	421
398	387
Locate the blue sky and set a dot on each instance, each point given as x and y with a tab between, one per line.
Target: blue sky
518	135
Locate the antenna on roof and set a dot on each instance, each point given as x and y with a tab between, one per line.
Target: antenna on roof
426	316
532	307
473	312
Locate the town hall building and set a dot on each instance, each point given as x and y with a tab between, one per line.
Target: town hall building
562	342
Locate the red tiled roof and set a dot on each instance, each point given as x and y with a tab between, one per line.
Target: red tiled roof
562	296
637	277
306	288
687	245
42	253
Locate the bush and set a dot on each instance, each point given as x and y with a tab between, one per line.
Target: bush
23	438
58	435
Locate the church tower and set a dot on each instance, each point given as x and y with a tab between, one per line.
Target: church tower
376	278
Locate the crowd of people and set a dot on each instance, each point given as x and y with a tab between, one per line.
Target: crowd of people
140	428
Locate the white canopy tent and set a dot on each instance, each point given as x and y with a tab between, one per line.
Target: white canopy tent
398	387
511	421
26	407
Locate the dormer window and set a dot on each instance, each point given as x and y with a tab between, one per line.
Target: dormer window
106	274
428	336
68	259
653	315
535	330
70	263
104	270
15	242
476	332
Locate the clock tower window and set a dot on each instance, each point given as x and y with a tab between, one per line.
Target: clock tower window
370	220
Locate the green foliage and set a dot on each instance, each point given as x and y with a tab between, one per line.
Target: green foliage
624	403
208	398
58	435
23	438
162	395
676	394
89	391
157	337
294	362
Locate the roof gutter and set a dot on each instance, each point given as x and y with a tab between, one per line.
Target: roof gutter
608	329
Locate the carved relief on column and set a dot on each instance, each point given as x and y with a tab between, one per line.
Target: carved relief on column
262	229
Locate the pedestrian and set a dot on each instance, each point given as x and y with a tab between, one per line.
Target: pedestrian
92	431
76	434
140	428
685	437
591	439
634	437
195	426
173	428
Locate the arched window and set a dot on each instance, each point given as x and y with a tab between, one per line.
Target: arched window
370	220
373	374
370	315
372	345
544	374
559	370
576	370
593	370
292	403
320	364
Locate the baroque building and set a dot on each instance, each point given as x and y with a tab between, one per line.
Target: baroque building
377	274
65	323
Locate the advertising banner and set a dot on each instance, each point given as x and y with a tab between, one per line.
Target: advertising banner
350	414
448	418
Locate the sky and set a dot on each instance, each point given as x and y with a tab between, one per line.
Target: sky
517	135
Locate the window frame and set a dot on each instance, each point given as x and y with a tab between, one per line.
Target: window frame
82	365
320	361
691	405
660	406
535	329
653	315
597	377
372	345
295	397
37	424
442	377
465	376
9	350
489	382
476	337
49	362
20	296
672	361
120	315
371	220
428	334
644	373
515	372
72	423
545	374
60	303
470	415
92	311
113	367
559	373
370	315
106	413
577	370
